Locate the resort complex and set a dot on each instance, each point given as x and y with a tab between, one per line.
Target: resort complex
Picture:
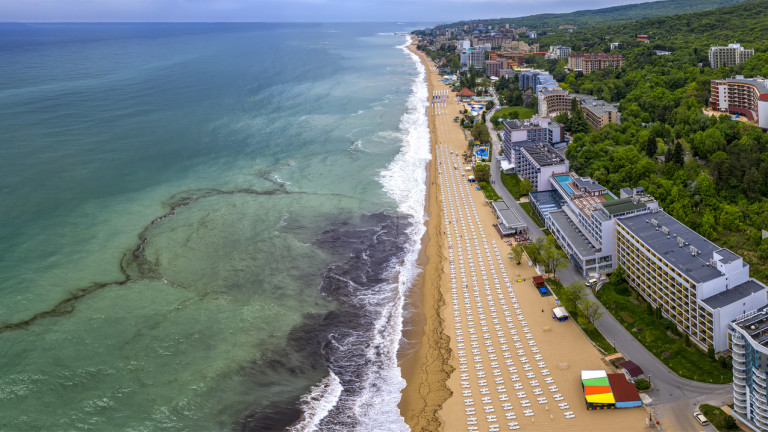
552	116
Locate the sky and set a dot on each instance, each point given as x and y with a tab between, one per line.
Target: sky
284	10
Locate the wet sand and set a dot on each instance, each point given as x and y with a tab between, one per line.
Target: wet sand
481	341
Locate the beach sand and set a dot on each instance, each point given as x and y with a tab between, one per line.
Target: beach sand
448	367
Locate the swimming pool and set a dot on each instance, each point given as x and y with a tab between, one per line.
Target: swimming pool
482	152
563	180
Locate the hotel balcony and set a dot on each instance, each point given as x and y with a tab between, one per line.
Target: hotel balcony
762	424
740	409
738	350
740	380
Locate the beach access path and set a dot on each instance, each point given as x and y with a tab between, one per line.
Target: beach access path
493	309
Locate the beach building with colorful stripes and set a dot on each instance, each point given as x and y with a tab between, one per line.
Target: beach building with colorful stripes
608	391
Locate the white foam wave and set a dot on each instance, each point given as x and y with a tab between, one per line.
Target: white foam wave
375	408
405	181
318	403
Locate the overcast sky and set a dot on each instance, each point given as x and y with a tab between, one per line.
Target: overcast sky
286	10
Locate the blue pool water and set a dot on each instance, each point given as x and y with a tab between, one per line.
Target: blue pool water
564	180
482	152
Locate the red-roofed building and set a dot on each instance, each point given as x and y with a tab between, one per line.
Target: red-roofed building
632	370
624	392
539	281
465	92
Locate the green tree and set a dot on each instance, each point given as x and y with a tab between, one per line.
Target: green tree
554	257
517	253
525	186
482	173
591	311
577	121
573	293
651	146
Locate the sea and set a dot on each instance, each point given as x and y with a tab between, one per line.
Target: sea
208	227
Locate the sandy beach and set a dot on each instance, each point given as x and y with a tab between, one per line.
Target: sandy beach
490	357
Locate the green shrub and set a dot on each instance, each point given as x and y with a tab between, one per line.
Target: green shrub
642	384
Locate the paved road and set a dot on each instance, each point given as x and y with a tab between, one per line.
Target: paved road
511	202
673	398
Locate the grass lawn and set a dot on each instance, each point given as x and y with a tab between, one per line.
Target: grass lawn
527	208
593	334
660	336
512	183
506	113
489	192
716	416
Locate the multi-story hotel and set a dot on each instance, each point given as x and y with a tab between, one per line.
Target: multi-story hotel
536	80
553	101
587	63
749	347
697	284
585	225
558	52
493	68
737	95
534	131
538	163
599	112
732	55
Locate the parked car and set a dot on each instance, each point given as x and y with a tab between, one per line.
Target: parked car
700	418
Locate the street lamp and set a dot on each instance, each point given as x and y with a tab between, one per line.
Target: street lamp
649	378
614	344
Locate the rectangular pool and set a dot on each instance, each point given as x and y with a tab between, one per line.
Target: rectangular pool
563	180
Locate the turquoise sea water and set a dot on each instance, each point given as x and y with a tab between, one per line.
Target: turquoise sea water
203	223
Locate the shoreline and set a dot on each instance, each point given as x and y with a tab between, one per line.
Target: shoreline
442	392
427	367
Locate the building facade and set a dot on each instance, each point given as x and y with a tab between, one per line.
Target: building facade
585	225
749	348
536	80
535	131
599	113
493	68
698	285
553	101
737	95
558	52
588	63
538	163
731	55
472	58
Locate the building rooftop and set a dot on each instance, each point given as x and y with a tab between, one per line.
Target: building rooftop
759	82
598	106
632	368
622	205
543	155
588	183
734	294
755	324
509	220
666	244
575	237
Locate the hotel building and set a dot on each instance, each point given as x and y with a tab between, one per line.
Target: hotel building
732	55
697	284
558	52
585	225
538	163
749	347
527	133
589	63
553	101
737	95
599	113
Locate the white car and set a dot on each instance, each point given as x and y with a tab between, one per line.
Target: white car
700	418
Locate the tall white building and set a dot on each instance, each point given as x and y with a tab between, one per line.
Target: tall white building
732	55
558	52
749	347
